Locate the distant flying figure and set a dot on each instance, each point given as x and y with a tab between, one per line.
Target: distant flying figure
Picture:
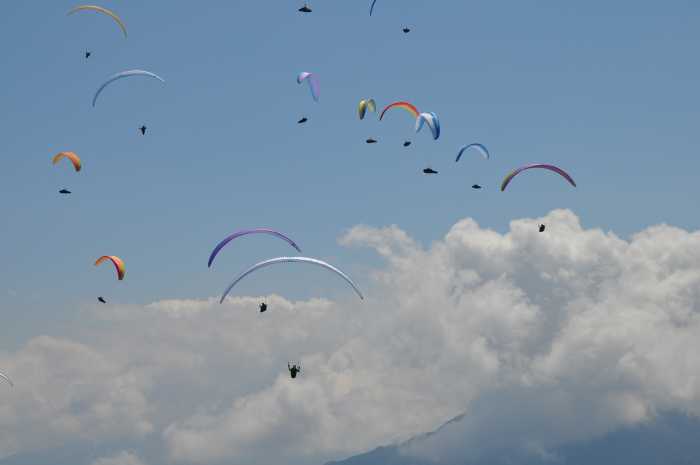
371	141
143	130
429	171
102	300
541	228
64	191
305	8
406	30
476	186
263	307
294	369
302	121
407	143
87	54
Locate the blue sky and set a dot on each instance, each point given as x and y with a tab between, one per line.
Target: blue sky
607	91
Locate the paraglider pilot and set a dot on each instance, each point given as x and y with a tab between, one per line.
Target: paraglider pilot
294	369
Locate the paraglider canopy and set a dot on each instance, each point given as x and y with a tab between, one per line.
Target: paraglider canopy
118	264
313	83
302	121
101	300
305	8
64	191
123	74
74	159
553	168
406	30
429	171
541	228
431	120
407	143
476	186
481	148
278	260
371	141
364	106
263	307
245	232
404	106
102	10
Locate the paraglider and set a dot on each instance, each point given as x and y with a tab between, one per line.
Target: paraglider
365	106
263	307
371	141
245	232
430	171
403	105
541	229
277	260
102	10
7	379
313	83
305	8
481	148
123	74
143	130
302	121
101	300
407	143
432	121
87	54
64	191
118	264
74	159
553	168
476	186
406	30
294	369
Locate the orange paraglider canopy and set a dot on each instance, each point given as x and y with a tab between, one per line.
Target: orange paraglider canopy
75	159
118	264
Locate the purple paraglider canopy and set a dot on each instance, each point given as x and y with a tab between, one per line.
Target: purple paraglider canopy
245	232
557	170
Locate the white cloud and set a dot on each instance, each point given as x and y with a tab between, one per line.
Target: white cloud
122	458
67	391
539	338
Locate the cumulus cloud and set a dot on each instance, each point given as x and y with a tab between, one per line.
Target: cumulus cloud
67	391
538	338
